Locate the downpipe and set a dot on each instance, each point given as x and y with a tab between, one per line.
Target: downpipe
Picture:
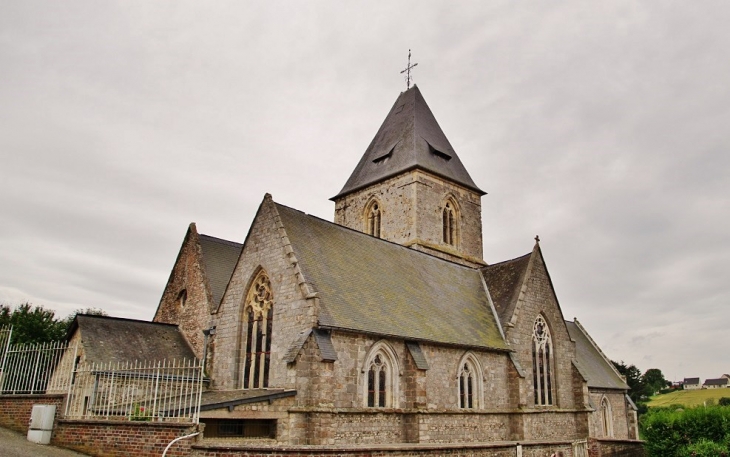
178	439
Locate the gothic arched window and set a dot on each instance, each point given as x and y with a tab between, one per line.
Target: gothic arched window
470	382
259	312
606	417
542	354
380	377
449	223
373	216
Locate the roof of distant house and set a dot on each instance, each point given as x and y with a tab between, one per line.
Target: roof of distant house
691	381
716	382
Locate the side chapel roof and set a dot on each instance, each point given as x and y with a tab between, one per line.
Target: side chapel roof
371	285
219	260
594	365
113	339
409	138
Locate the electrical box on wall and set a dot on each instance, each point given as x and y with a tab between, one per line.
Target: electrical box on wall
41	423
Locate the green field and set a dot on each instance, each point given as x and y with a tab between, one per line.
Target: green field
688	397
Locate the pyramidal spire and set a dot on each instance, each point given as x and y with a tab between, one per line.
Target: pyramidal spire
410	138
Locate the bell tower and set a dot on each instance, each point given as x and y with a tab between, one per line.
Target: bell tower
411	188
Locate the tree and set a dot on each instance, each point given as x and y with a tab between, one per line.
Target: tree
32	324
633	379
35	324
654	381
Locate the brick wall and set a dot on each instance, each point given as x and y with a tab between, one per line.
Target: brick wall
15	409
122	438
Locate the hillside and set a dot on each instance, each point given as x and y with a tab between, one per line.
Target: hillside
688	397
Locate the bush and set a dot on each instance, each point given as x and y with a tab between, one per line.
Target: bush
703	448
667	431
724	401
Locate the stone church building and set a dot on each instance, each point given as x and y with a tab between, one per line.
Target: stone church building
387	326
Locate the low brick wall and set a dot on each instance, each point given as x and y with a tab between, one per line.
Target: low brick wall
605	447
123	438
15	409
536	449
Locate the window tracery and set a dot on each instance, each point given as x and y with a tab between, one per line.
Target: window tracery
380	377
373	215
470	382
259	312
542	353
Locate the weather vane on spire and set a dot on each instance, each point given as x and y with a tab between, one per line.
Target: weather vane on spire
407	71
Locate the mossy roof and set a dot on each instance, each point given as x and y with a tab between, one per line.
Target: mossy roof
505	280
374	286
219	258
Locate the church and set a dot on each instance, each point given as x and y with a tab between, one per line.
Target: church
387	327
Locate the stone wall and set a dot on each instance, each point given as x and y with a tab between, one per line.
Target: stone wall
194	314
538	298
411	214
15	409
122	438
537	449
267	247
615	448
619	414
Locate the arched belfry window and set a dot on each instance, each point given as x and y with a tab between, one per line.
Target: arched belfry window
259	313
373	216
449	223
606	417
470	382
542	356
380	377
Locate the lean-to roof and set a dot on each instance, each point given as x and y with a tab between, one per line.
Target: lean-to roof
594	365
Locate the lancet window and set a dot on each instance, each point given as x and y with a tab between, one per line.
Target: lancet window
380	378
542	356
606	417
470	382
373	219
259	312
449	223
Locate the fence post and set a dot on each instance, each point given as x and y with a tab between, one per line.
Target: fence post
196	414
71	378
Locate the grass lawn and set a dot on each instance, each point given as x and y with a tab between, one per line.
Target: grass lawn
688	397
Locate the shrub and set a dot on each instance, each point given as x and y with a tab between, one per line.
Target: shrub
724	401
703	448
667	431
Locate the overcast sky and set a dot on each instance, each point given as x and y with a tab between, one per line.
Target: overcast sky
600	126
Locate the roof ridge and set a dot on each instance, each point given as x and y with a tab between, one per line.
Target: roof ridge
139	321
221	240
507	261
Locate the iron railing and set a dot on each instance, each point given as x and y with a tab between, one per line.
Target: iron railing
137	391
29	368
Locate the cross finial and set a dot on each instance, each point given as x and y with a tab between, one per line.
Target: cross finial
537	238
407	71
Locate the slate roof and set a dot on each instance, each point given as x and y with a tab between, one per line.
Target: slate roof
595	367
691	381
504	281
113	339
371	285
409	138
219	260
217	399
716	382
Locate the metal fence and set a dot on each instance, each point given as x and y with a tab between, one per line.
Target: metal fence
29	368
138	391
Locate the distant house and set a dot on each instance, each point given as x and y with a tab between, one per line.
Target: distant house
716	383
691	383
